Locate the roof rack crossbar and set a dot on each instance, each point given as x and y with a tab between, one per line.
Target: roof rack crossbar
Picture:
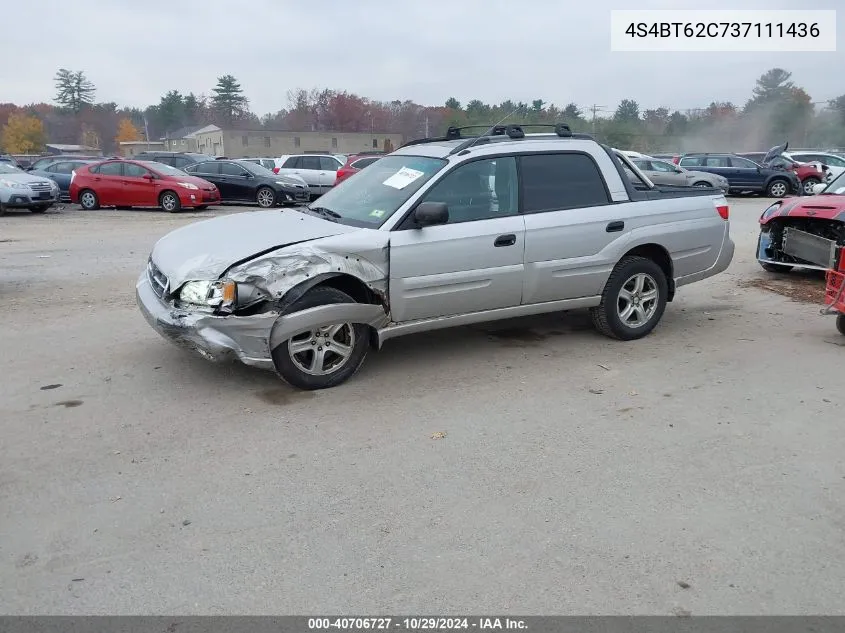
512	131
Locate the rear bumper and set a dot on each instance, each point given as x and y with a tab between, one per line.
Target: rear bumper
217	338
723	260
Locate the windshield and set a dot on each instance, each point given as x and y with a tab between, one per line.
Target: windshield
375	193
8	168
162	168
257	170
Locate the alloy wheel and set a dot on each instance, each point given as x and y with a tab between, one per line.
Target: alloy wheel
637	300
324	350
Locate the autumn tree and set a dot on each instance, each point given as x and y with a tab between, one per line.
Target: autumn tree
126	132
23	134
229	100
73	90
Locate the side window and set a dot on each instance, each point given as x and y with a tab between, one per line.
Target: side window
479	190
690	161
309	162
111	169
736	161
363	162
131	170
180	162
231	169
551	182
291	163
716	161
211	168
329	164
659	165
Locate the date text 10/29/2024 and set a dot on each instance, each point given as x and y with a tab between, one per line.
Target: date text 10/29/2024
723	31
415	624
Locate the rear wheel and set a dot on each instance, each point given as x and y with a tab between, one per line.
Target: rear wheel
326	356
633	300
775	268
777	189
88	200
169	201
265	197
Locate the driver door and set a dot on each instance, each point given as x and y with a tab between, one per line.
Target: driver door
472	263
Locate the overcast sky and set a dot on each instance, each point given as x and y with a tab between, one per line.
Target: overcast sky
556	50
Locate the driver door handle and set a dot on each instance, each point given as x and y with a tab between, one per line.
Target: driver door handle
505	240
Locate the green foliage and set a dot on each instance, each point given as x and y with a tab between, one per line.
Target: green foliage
228	99
73	90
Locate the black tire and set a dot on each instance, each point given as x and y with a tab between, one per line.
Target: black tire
808	184
606	317
284	359
88	200
777	188
169	201
265	197
775	268
40	208
701	183
840	324
2	209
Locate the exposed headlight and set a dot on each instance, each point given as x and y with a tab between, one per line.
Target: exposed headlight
188	185
214	294
13	185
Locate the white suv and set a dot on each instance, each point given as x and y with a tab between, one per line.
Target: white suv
319	171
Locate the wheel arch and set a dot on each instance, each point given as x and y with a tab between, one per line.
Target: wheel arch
660	256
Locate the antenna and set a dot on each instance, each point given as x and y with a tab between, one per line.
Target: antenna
470	142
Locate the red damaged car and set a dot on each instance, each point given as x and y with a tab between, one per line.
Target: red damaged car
806	232
137	183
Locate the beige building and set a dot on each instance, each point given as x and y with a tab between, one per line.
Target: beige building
273	143
184	139
128	149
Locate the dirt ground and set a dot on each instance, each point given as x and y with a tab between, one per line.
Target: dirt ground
527	467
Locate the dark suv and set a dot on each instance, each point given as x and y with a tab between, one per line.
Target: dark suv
744	174
179	160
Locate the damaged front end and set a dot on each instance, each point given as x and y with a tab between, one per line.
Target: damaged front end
251	307
796	235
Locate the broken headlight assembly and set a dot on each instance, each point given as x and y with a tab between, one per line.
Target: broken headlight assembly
223	295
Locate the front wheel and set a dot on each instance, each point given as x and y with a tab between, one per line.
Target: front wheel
809	184
777	189
633	300
265	197
326	356
840	324
775	268
169	201
89	201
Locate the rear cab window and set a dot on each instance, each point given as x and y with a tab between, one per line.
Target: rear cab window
554	182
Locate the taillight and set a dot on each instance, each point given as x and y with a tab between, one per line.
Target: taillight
723	210
275	170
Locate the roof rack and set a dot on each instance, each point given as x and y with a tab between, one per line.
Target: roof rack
511	131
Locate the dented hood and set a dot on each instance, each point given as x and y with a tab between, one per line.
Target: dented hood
204	250
822	207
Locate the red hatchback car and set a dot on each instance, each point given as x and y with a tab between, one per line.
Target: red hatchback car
136	183
354	164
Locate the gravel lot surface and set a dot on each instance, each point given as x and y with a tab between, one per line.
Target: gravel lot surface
526	467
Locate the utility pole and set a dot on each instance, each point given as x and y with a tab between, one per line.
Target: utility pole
594	109
426	126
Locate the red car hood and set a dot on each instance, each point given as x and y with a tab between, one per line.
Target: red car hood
199	182
822	206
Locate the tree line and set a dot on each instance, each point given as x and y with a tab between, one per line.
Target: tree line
777	110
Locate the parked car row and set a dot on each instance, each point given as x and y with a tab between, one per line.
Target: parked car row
20	190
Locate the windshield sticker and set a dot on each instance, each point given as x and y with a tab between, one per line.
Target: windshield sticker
376	213
403	178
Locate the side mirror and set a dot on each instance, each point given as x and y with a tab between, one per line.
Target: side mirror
817	189
148	177
431	213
